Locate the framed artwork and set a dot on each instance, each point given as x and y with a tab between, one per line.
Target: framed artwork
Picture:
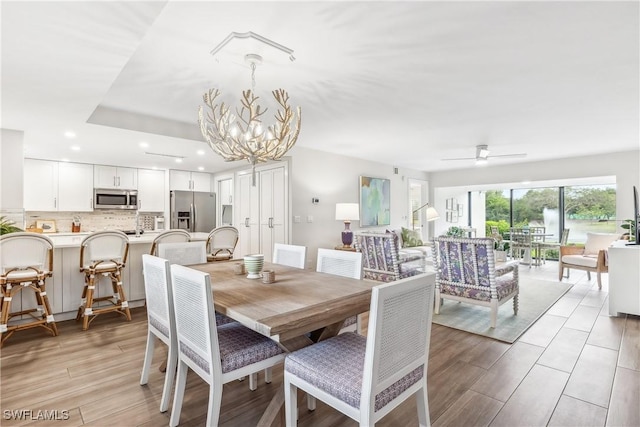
375	201
460	207
451	204
47	225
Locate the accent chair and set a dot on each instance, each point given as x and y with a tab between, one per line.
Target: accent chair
466	272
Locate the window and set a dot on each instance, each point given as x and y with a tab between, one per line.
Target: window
589	208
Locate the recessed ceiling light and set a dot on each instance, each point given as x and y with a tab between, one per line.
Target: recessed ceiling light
526	182
70	134
144	144
75	148
64	160
154	168
200	152
178	160
200	168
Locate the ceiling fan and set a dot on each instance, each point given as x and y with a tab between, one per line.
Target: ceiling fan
482	155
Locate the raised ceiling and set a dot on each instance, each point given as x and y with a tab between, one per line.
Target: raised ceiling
402	83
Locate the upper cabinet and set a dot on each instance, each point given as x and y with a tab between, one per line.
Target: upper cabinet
151	191
57	186
40	185
225	191
115	177
75	187
189	181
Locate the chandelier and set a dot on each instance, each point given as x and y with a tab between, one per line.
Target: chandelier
244	135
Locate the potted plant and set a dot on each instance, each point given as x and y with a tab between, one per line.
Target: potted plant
455	232
630	226
7	226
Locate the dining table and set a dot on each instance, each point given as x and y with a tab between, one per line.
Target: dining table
299	308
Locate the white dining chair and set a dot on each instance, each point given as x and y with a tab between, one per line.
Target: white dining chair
161	324
218	355
366	378
169	236
184	253
346	264
189	253
291	255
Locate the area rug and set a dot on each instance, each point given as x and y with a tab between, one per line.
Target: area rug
536	297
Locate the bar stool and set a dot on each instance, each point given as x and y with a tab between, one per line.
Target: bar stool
103	253
169	236
26	260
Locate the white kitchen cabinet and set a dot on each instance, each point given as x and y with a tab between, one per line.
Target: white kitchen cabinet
272	208
263	214
225	191
151	191
248	207
57	186
75	187
115	177
624	279
189	181
40	185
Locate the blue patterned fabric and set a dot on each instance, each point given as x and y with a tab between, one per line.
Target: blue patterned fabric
336	367
221	319
380	259
240	346
465	268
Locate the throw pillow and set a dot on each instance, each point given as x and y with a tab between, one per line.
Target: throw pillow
597	241
410	238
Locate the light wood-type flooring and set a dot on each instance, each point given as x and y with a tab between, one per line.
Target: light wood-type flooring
575	367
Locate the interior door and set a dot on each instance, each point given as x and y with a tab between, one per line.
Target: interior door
247	216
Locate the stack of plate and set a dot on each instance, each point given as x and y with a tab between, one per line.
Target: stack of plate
253	264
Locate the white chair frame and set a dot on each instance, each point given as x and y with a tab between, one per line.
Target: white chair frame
161	323
184	253
290	255
198	345
398	302
341	263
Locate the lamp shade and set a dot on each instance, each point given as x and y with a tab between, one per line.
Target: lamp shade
347	211
432	214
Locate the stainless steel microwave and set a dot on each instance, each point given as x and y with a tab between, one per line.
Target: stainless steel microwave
106	198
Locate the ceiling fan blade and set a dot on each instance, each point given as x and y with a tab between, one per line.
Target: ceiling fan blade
509	155
460	158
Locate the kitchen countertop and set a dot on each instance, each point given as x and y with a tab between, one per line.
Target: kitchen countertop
73	240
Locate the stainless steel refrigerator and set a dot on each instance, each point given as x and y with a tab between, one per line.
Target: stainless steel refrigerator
193	211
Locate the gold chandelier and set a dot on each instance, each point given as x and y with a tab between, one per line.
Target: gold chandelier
243	135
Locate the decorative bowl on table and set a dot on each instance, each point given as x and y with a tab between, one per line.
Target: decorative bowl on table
253	264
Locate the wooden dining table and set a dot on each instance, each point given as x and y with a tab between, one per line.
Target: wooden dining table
299	308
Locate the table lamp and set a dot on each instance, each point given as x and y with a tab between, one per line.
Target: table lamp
347	212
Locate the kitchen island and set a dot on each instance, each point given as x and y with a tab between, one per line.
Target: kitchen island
64	289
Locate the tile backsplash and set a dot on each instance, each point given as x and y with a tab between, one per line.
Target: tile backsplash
92	221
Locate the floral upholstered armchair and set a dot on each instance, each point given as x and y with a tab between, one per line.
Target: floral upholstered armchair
380	258
466	272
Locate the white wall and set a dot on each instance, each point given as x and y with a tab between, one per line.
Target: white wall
334	179
624	166
12	162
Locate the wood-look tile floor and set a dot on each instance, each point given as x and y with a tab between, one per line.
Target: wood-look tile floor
576	367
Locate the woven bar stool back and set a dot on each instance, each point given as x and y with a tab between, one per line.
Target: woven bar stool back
26	261
103	254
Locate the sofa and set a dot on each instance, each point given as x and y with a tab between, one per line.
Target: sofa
411	248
